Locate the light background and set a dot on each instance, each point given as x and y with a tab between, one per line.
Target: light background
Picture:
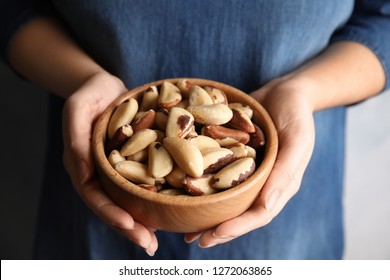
23	116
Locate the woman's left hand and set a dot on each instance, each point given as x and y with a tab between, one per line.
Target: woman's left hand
288	103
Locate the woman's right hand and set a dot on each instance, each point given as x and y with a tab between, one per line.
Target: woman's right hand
80	112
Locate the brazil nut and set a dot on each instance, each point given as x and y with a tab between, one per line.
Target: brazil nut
186	155
114	157
121	135
184	86
214	114
203	142
217	95
135	172
215	159
257	139
145	120
234	173
198	96
139	141
149	99
218	132
123	114
239	150
176	177
160	162
245	108
241	121
179	123
169	96
199	186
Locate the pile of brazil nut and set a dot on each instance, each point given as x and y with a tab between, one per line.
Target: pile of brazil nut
183	139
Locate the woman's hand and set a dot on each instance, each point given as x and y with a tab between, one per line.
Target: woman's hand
80	112
333	78
290	107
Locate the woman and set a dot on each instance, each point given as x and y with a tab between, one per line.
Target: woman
303	60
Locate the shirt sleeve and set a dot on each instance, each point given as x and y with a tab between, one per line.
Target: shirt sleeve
14	14
369	25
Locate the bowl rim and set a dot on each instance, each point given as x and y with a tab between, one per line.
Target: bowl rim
265	167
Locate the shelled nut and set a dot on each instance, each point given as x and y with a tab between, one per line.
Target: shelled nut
160	162
234	173
186	155
186	137
169	95
199	186
123	114
214	114
121	135
139	141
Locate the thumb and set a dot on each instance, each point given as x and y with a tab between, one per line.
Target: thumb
79	113
77	131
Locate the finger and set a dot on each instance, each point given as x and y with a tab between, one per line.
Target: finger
208	240
143	237
191	237
77	131
153	246
103	206
229	230
281	185
257	216
115	216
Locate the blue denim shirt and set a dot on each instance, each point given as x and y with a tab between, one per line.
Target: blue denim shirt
247	42
241	43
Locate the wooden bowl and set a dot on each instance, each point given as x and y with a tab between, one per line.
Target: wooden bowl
184	213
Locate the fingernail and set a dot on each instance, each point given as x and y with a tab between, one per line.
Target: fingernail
207	246
189	240
271	201
149	252
223	236
123	226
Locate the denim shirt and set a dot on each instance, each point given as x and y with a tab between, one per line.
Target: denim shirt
241	43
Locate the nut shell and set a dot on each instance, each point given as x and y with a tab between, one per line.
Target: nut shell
121	135
199	186
234	173
218	132
216	158
145	120
241	121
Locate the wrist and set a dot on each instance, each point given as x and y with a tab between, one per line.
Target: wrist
337	78
97	90
103	84
307	88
